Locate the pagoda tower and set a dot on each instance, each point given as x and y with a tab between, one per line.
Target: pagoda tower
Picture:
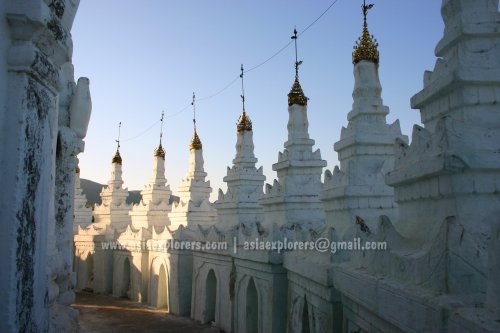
114	210
294	197
366	149
244	181
451	170
194	192
155	204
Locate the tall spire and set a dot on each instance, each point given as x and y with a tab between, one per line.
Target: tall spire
366	47
160	152
244	123
242	87
296	95
117	158
195	142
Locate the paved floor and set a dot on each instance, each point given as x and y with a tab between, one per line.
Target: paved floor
100	313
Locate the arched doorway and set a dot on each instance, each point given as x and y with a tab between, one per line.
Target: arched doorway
126	285
89	276
305	318
162	296
211	297
252	307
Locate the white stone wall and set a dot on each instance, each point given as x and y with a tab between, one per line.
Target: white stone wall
221	266
38	150
271	285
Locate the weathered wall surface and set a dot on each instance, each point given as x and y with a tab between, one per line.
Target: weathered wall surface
42	127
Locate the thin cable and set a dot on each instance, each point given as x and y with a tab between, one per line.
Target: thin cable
178	112
142	133
319	17
220	91
156	122
236	78
274	55
270	58
290	42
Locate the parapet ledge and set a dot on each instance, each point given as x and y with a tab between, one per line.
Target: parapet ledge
453	147
185	233
131	233
250	232
247	195
210	234
150	205
273	190
421	264
335	179
191	206
161	233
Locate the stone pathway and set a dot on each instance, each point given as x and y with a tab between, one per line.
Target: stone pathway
100	313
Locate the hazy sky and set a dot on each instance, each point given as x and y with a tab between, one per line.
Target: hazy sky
146	56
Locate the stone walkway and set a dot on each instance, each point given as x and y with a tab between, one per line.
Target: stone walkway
100	313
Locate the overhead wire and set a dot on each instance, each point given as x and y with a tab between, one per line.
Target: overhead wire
227	86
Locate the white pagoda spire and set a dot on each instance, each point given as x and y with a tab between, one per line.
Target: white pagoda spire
244	181
366	149
155	204
114	210
194	206
294	197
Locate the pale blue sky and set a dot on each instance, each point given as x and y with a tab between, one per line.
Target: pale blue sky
146	56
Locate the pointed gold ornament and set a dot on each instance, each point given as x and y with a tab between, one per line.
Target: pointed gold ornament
366	47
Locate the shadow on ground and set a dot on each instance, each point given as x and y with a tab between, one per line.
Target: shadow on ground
101	313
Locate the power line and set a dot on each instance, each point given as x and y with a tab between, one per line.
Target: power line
220	91
270	58
284	47
142	133
319	17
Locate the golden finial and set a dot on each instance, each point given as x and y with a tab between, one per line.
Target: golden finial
160	152
296	95
366	46
244	123
117	158
195	142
